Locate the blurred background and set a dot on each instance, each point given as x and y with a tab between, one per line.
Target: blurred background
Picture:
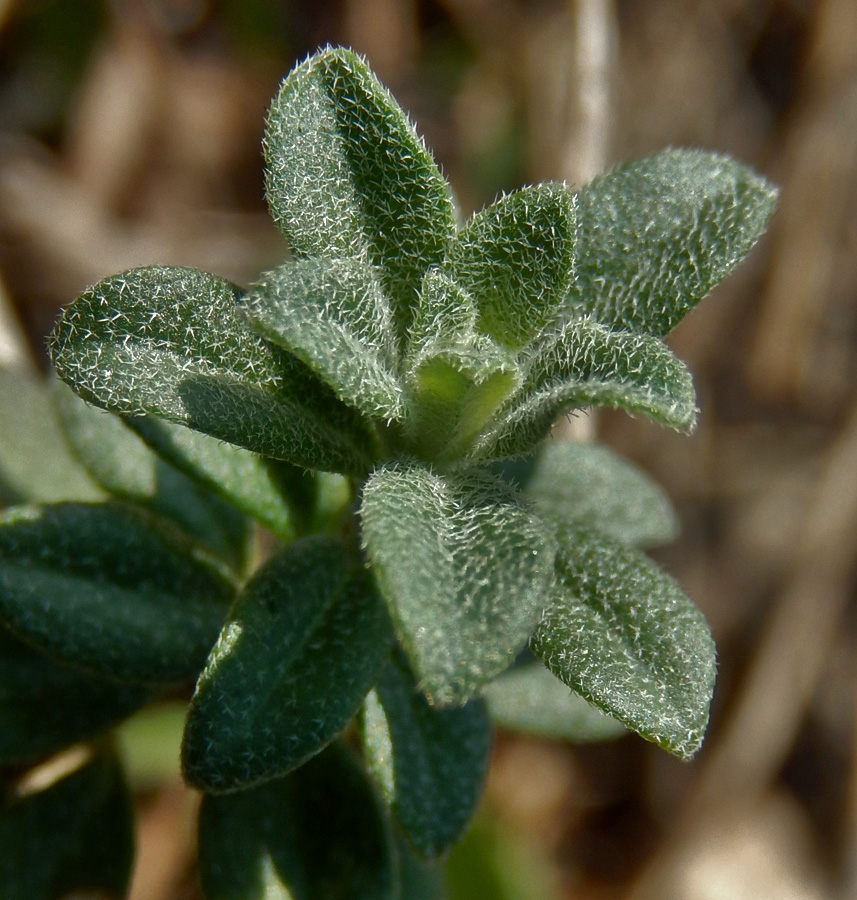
130	134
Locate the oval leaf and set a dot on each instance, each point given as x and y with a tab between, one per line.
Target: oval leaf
318	833
302	647
625	636
332	314
431	763
464	567
348	176
97	588
589	365
516	258
172	343
658	233
589	485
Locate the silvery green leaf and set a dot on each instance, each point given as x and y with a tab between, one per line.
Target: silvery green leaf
589	365
347	176
333	315
516	258
656	234
174	344
589	485
465	568
625	637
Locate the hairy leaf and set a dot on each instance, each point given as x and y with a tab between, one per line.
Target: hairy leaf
302	647
36	464
657	234
98	588
45	706
332	314
317	834
172	343
516	258
589	365
260	487
348	176
589	485
625	636
464	567
75	836
456	376
119	461
431	763
529	699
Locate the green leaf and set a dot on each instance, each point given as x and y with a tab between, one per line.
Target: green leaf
529	699
332	314
588	365
302	647
657	234
589	485
260	487
465	569
45	706
98	588
74	836
456	377
36	465
516	258
625	636
317	834
173	343
347	176
119	461
431	763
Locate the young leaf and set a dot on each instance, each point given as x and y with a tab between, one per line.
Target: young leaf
456	376
119	461
347	175
74	837
516	258
332	314
260	487
465	569
657	234
625	636
96	587
431	763
529	699
45	706
36	465
302	647
317	834
589	485
589	365
172	343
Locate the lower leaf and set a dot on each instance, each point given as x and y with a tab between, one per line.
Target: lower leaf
431	763
625	636
318	834
301	649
